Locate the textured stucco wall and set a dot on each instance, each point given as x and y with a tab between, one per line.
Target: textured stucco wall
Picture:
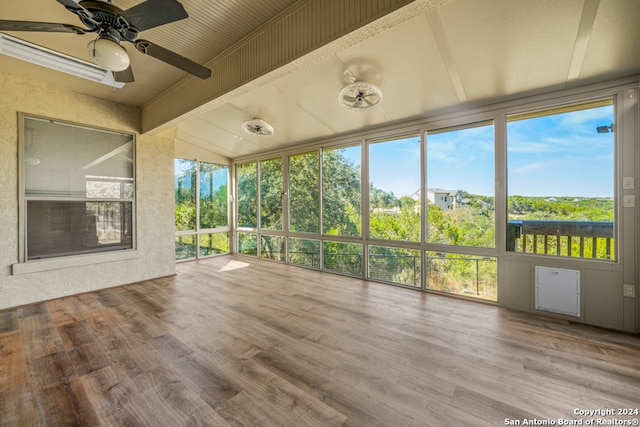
154	175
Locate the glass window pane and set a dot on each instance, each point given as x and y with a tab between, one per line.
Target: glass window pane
213	244
272	247
185	188
102	188
341	191
248	244
304	187
394	189
214	182
61	159
343	257
462	274
185	247
395	265
247	195
271	191
61	228
560	172
460	186
305	252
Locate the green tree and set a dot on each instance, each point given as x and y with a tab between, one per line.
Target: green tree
271	194
340	194
247	195
304	189
185	196
213	201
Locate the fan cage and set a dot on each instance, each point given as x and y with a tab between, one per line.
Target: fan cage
360	91
258	127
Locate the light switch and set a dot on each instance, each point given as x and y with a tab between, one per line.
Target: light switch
629	201
628	183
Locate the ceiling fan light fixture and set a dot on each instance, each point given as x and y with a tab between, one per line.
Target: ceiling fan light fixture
108	54
360	96
257	127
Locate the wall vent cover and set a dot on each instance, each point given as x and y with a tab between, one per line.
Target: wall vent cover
558	290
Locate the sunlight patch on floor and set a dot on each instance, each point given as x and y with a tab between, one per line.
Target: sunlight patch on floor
233	265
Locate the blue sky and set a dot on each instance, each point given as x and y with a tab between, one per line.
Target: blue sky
559	155
562	155
219	176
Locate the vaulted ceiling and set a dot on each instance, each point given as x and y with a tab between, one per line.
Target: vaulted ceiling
427	56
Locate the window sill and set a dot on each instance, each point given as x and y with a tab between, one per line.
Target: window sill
50	264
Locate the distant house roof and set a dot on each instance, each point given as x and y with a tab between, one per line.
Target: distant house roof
416	195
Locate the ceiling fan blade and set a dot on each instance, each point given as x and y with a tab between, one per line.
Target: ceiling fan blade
153	13
85	16
76	8
47	27
349	98
71	5
125	76
172	58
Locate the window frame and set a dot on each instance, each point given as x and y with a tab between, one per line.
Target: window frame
197	231
24	265
437	128
625	105
564	105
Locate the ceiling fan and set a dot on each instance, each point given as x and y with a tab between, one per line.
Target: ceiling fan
360	96
113	26
257	127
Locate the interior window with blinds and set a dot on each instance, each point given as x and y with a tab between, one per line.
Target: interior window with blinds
78	189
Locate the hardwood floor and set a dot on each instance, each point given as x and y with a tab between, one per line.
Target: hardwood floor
234	341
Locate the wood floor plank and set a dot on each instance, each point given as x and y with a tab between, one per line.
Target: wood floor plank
13	367
174	401
116	401
61	404
271	393
39	335
16	407
237	341
61	311
8	321
206	380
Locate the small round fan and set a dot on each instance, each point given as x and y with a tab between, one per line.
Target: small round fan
360	96
257	127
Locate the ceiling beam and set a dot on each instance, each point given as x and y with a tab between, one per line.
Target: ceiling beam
445	52
589	11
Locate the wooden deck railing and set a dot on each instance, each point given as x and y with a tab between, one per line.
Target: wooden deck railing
583	239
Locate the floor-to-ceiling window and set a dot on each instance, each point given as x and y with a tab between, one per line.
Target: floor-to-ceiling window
247	208
342	209
304	209
260	209
272	245
461	210
431	213
201	208
394	209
